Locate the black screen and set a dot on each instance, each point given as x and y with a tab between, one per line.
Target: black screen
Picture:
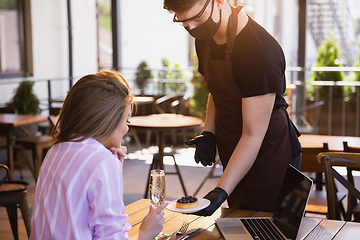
292	202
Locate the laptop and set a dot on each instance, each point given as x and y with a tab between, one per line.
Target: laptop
286	219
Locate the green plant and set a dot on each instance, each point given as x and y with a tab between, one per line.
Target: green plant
143	73
105	14
164	74
327	57
357	64
178	74
350	91
198	102
171	74
24	100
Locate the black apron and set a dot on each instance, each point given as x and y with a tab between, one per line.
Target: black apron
260	187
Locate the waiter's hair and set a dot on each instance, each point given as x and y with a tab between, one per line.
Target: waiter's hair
180	5
93	108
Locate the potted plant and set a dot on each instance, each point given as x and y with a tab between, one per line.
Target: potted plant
143	73
25	101
198	102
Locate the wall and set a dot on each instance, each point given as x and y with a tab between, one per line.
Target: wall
50	45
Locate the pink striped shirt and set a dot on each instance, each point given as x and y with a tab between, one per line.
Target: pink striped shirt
79	194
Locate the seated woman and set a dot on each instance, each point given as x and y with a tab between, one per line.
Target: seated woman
79	193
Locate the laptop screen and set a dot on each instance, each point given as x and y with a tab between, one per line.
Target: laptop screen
292	201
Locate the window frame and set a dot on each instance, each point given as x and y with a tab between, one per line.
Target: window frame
25	36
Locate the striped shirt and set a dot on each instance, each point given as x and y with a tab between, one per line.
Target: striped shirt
79	194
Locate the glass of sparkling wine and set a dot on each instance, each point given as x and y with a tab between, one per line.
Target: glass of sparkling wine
157	192
157	187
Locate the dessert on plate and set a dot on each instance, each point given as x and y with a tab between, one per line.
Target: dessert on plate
187	202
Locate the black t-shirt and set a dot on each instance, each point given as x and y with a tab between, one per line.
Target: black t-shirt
258	62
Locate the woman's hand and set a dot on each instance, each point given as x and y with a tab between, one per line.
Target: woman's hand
120	152
152	224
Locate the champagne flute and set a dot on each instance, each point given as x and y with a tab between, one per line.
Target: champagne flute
157	187
157	192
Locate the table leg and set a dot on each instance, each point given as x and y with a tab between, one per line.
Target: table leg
148	181
160	159
158	163
10	152
319	181
180	178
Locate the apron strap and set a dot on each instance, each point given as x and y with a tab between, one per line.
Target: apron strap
232	27
230	31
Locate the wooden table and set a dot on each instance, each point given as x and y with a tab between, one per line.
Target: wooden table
323	228
161	123
8	122
317	202
334	142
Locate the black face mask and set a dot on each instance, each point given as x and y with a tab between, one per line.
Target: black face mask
206	30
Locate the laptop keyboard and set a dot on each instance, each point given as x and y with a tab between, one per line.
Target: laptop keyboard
262	229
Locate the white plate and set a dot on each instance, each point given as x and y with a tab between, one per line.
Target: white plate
203	203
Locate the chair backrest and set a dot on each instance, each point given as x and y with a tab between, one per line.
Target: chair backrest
54	110
172	103
338	159
4	173
53	120
351	201
7	110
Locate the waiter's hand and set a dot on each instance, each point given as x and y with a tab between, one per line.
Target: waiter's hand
205	148
216	197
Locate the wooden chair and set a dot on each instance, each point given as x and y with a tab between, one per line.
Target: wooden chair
38	145
353	207
13	196
338	159
317	201
17	148
306	127
172	103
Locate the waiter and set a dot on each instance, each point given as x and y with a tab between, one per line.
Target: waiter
244	68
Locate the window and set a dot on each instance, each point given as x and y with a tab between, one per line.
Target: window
105	48
15	38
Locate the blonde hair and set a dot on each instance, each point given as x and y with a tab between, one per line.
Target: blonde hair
93	108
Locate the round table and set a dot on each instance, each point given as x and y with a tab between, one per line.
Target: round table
162	123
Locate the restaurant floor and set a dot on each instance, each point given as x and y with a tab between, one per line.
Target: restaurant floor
135	172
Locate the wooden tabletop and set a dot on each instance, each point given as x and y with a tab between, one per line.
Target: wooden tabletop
14	120
142	100
136	99
318	228
334	142
164	121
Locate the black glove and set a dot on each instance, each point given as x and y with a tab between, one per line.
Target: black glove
205	148
216	197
